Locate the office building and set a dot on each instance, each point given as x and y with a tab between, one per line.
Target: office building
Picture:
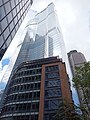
38	84
77	59
37	89
12	13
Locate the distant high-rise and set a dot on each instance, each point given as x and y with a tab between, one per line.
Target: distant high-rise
38	85
12	13
76	59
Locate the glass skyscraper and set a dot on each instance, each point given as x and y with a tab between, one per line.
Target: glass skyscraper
38	84
46	24
43	39
12	13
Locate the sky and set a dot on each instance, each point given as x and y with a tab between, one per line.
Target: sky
74	20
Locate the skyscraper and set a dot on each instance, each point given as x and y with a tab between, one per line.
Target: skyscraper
38	84
46	24
77	59
12	13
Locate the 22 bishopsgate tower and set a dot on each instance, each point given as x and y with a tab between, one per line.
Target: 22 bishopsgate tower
38	84
12	13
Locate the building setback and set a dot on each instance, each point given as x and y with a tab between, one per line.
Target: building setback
12	13
37	89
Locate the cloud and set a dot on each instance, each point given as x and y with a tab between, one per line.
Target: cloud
5	62
2	71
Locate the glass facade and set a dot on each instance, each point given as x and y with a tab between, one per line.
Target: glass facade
12	13
43	39
46	24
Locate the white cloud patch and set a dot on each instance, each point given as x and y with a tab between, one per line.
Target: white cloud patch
2	71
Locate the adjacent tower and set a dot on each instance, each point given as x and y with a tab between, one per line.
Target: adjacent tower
12	13
77	59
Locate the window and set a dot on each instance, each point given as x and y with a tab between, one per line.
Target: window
51	83
1	40
13	33
8	41
11	26
14	12
2	12
52	68
12	3
4	24
9	17
7	7
6	33
52	93
52	75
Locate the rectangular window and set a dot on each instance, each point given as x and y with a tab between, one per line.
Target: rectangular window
6	33
2	12
4	23
7	7
9	17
